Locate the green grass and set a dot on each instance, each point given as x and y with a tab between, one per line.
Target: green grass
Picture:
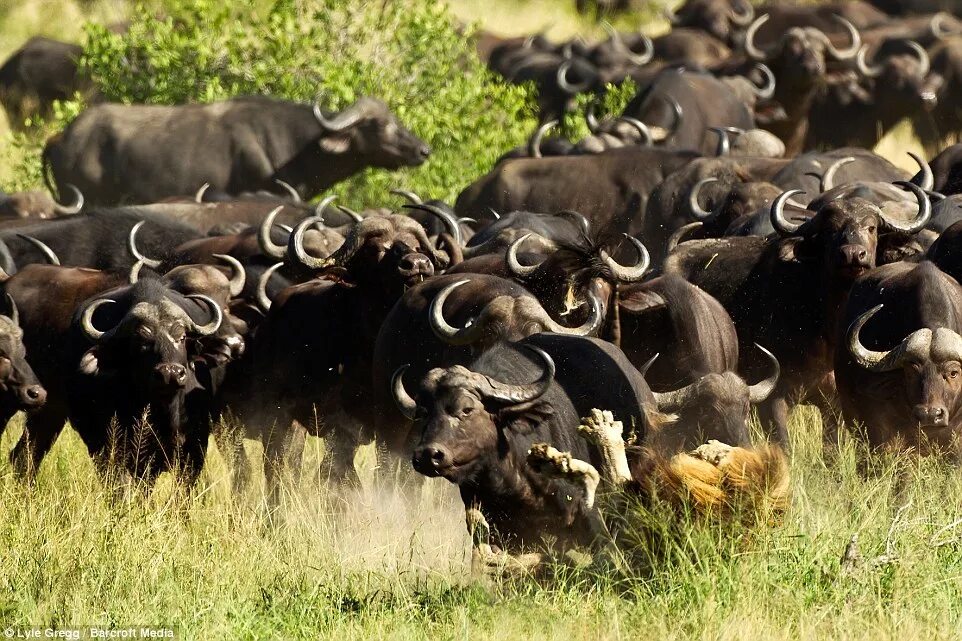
375	564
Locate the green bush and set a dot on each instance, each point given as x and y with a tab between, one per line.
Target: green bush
409	53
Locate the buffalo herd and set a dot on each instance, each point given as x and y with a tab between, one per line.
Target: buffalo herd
588	316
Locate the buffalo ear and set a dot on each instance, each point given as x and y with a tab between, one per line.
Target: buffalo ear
795	250
90	362
897	246
336	143
638	300
525	418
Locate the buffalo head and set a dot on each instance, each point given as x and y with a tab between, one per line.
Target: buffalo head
801	52
930	362
461	416
388	251
901	71
369	129
147	339
720	18
716	406
38	204
19	387
843	235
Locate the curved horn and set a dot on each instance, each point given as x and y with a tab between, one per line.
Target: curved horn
852	51
214	325
869	359
134	274
562	78
293	193
679	236
48	253
295	246
925	63
405	404
450	222
579	218
676	399
867	70
724	142
751	48
777	213
677	114
87	319
7	265
641	127
199	194
927	181
494	214
322	206
828	178
263	300
938	28
239	276
591	117
517	394
343	120
409	196
444	330
356	217
511	259
132	247
78	203
742	19
264	241
693	205
14	312
638	59
766	91
534	144
629	274
763	389
647	365
925	211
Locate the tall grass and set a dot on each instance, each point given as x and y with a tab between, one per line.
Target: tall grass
382	564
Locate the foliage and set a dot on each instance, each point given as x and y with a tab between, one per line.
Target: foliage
409	53
610	104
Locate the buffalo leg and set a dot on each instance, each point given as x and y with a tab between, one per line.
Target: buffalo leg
773	415
40	432
283	451
340	449
229	437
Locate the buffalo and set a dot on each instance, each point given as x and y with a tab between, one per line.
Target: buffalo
134	154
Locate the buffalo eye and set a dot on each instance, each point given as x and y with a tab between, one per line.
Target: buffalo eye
871	229
467	411
953	373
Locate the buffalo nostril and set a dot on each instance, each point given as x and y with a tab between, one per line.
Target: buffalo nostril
425	152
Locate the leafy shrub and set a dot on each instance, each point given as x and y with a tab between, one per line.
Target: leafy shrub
409	53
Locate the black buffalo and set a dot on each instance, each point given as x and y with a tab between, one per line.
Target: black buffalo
119	153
